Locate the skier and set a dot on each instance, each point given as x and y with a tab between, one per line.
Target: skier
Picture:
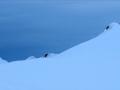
46	55
107	27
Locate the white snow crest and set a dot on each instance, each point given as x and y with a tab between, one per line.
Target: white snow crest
2	61
113	26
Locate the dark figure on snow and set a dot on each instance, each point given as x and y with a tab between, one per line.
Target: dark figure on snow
107	27
45	55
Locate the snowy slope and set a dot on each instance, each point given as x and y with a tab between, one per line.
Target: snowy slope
93	65
2	61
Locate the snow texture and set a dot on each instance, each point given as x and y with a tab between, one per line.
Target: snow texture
93	65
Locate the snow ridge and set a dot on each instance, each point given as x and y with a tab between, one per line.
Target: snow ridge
93	65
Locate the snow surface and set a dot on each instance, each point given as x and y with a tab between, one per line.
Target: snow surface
2	61
93	65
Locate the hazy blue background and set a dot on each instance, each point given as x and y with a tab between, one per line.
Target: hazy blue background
30	28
